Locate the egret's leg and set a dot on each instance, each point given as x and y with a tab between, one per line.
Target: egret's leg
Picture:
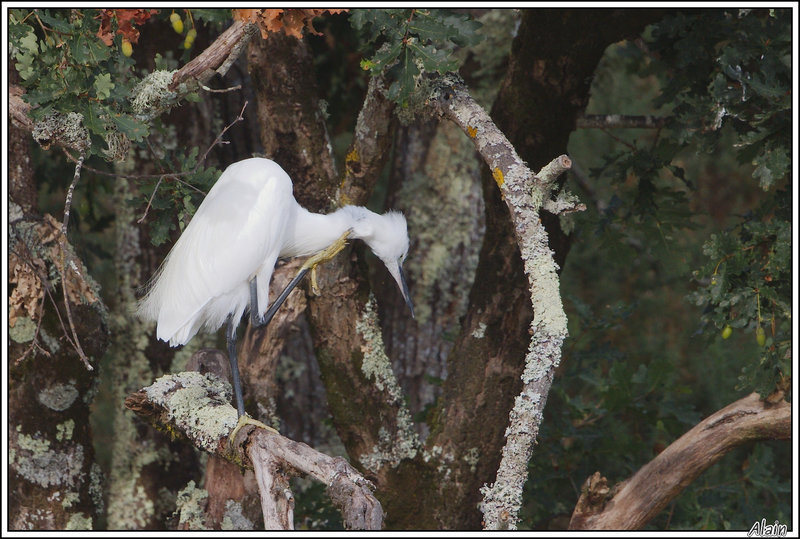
310	265
230	334
244	419
256	320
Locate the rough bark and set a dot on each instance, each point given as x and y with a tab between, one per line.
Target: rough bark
290	118
638	499
215	59
21	185
437	186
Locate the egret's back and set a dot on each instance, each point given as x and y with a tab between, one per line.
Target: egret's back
236	233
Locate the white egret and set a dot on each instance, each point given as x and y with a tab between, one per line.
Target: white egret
223	261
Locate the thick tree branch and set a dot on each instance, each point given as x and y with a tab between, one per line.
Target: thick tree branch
197	407
643	496
217	58
524	193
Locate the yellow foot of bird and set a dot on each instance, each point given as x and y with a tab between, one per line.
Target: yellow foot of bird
247	420
324	256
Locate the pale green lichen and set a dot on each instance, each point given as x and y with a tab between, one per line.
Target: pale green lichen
375	364
480	331
34	460
65	128
96	488
23	331
445	248
79	521
190	507
404	442
70	499
471	457
58	396
233	519
64	430
198	403
129	505
52	343
152	94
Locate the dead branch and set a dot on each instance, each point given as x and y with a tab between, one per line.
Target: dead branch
64	259
197	407
525	193
640	498
218	57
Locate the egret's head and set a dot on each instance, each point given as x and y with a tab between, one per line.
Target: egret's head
387	236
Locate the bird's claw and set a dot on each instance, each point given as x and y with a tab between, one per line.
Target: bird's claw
247	420
324	256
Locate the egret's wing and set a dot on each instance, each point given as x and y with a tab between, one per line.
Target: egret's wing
239	225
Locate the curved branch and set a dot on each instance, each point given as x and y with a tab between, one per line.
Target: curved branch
640	498
197	407
525	194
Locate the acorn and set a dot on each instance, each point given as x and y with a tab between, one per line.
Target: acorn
727	331
761	336
190	36
177	22
127	48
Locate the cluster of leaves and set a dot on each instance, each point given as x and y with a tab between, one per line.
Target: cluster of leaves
725	82
410	42
125	19
732	69
73	61
292	22
749	289
66	66
172	188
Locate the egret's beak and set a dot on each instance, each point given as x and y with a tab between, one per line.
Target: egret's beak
397	273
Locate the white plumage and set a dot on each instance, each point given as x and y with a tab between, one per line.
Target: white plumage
247	221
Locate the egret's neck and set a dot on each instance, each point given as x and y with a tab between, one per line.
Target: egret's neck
312	232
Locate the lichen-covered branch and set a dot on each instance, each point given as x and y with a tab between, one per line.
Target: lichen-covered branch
524	193
637	500
197	407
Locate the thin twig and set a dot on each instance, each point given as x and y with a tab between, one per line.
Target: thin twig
63	269
221	90
621	141
35	340
45	283
219	137
175	175
149	202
